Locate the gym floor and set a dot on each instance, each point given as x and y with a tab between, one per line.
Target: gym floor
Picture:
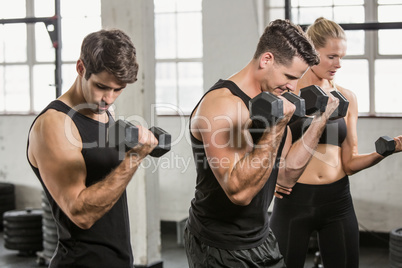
173	255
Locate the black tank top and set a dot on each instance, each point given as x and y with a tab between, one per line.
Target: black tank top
334	133
213	218
107	242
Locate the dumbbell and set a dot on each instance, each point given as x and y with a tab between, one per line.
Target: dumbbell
123	134
316	100
267	109
342	108
299	103
385	146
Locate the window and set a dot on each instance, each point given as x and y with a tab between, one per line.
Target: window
178	53
374	58
14	88
27	55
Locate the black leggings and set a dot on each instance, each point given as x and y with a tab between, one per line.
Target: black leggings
327	209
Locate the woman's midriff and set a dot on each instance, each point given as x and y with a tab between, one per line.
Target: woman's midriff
324	167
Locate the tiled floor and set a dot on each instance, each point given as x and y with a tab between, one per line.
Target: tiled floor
173	255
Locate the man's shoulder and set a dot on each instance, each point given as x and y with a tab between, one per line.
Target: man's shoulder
223	99
51	122
52	116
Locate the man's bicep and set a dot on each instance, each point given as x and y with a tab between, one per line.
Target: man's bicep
60	163
225	145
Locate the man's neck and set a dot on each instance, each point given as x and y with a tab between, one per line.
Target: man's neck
247	81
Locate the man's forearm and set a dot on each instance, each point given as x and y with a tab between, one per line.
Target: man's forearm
96	200
252	171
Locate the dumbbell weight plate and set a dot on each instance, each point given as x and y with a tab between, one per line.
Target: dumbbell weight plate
50	238
22	232
385	146
123	135
164	142
343	106
6	188
299	103
266	108
315	99
22	217
24	239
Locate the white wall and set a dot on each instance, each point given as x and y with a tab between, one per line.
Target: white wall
230	37
14	167
230	33
176	170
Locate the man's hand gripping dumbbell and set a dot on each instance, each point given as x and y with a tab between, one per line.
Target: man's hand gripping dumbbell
124	136
267	109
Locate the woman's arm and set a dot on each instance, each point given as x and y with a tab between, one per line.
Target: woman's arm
352	161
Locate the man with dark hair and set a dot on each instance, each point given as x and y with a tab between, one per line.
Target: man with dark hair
237	171
84	179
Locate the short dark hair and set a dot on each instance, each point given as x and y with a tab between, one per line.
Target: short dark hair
285	40
112	51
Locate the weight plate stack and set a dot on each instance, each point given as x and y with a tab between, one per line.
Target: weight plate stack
395	248
7	200
23	230
49	229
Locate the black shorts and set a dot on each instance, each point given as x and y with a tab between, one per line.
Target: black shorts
200	255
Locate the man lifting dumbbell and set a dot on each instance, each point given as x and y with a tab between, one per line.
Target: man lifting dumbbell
84	180
237	167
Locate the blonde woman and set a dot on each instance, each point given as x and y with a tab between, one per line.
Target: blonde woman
320	200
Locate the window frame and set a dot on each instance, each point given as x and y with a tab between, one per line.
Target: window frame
53	26
371	46
176	61
54	37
